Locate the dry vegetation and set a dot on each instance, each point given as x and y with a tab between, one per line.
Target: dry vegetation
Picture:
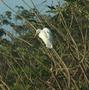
26	64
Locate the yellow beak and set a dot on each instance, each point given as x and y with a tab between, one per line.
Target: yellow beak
35	35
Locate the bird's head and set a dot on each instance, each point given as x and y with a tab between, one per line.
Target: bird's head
37	32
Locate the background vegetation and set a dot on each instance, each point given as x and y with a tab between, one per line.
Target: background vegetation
25	62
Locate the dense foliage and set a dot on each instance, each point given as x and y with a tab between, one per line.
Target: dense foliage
25	62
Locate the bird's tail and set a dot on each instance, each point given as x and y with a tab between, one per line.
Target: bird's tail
49	45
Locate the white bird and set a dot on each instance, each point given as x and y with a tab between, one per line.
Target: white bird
46	35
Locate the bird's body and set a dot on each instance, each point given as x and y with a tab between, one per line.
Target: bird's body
45	35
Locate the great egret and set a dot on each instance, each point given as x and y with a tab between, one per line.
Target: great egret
46	35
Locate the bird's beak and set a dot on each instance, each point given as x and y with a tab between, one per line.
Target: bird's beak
35	35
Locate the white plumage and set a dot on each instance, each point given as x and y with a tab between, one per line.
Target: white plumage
46	36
